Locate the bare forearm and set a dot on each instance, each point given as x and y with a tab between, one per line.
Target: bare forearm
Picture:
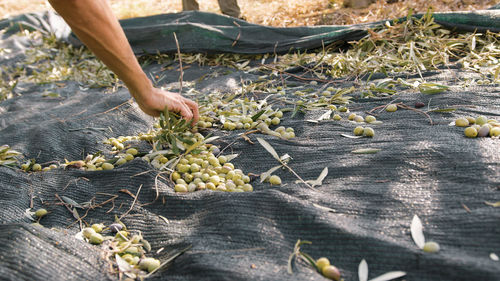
96	26
94	23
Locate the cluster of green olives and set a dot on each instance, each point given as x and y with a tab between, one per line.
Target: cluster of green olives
480	126
130	248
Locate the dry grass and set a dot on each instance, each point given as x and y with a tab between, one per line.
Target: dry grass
271	12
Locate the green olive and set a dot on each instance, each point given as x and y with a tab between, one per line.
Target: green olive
471	119
331	272
358	119
391	108
96	238
358	131
322	262
180	188
149	264
461	122
120	161
337	117
370	119
36	167
431	247
481	120
132	151
351	116
274	180
98	227
470	132
40	213
495	131
107	166
368	132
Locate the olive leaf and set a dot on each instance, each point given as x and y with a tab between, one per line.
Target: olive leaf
71	202
351	136
432	88
269	148
324	208
211	139
319	180
363	270
257	115
389	276
230	157
443	110
268	173
493	204
366	151
417	232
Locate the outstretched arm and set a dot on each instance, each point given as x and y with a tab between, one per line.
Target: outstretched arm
97	27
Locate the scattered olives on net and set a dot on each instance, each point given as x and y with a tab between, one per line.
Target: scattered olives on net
431	247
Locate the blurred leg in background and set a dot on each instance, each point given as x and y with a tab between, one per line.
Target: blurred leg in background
190	5
227	7
230	8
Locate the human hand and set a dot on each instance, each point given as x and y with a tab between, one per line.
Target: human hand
154	102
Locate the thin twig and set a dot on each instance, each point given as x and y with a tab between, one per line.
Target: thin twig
133	203
180	64
296	76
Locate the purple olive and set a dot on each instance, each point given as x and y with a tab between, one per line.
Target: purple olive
115	227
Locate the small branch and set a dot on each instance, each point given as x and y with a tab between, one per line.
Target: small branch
296	76
180	63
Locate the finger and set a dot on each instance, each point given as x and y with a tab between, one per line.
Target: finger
186	112
194	107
